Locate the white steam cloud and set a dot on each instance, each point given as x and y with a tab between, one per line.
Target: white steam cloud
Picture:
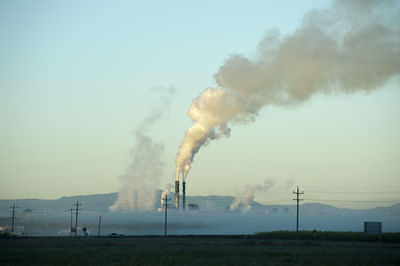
142	176
244	200
165	193
352	46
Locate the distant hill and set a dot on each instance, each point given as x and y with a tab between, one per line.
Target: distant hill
97	202
213	216
102	202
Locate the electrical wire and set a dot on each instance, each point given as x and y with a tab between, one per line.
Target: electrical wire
368	201
281	201
355	192
390	188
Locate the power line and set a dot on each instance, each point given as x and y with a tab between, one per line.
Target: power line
77	204
275	202
13	212
70	227
355	192
382	188
166	199
369	201
297	217
279	190
98	231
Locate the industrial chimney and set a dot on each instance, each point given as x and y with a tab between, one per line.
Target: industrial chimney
184	194
176	194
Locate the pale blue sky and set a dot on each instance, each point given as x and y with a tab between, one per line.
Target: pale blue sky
77	76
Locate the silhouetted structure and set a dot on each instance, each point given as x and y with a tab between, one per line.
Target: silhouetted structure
183	194
77	204
13	212
177	194
297	218
98	231
166	211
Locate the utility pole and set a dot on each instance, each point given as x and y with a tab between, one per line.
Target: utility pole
166	210
70	226
13	212
297	219
98	231
77	204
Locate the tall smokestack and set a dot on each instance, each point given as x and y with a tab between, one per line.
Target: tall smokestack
184	194
177	194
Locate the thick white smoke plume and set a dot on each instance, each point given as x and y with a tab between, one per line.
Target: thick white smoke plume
211	110
142	176
244	200
352	46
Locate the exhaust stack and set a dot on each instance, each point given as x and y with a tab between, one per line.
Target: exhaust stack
176	194
184	194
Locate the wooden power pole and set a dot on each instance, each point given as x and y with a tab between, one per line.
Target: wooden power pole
98	231
77	204
13	212
166	199
297	217
70	226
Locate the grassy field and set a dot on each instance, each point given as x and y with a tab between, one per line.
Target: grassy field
329	235
193	250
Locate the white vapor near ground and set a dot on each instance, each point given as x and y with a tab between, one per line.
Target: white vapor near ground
247	197
165	193
141	179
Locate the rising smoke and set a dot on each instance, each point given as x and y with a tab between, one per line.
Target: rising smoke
165	193
141	179
352	46
245	199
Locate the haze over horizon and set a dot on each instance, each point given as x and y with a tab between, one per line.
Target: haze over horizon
79	79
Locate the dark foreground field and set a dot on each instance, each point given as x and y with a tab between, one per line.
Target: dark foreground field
194	250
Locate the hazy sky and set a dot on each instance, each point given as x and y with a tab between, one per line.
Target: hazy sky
77	77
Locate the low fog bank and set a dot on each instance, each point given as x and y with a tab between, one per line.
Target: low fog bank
212	217
180	223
